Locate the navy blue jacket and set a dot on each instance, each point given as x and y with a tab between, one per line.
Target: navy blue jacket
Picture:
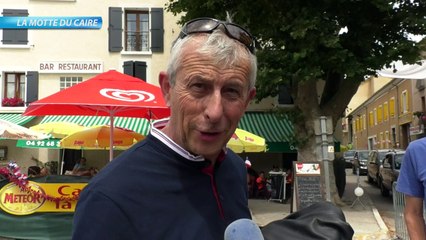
151	192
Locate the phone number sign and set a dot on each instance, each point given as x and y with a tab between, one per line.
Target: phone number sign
46	143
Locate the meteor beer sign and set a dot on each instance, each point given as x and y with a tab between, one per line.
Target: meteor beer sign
15	201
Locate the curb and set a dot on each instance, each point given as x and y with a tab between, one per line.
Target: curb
379	219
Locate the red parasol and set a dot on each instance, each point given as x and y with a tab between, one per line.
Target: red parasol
107	94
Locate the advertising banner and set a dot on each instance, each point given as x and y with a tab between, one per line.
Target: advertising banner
40	197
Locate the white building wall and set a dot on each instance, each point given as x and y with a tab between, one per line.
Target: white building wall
81	45
73	45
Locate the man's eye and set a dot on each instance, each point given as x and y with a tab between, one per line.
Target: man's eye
232	92
198	87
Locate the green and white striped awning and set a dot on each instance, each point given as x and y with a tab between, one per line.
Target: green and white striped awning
16	118
139	125
268	126
277	131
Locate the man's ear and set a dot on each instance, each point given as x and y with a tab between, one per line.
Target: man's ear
165	86
251	95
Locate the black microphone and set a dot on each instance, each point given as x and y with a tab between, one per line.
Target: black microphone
243	229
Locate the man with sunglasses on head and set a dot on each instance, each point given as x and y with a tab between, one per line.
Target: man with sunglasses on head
181	182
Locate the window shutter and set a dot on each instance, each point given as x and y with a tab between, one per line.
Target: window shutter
15	36
135	69
140	70
385	111
408	101
115	30
392	107
380	114
157	31
32	87
128	68
357	125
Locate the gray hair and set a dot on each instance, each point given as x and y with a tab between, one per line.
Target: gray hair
223	50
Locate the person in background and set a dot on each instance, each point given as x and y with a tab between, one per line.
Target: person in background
36	171
80	166
181	182
288	184
44	171
339	166
262	190
33	171
251	179
412	183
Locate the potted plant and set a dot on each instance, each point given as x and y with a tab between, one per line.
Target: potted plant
418	114
13	101
421	115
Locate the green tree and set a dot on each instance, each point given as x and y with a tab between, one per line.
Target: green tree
321	49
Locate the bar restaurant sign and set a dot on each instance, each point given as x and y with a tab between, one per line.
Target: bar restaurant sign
15	201
71	67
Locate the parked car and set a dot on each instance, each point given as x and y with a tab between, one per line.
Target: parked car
375	158
389	171
359	164
349	157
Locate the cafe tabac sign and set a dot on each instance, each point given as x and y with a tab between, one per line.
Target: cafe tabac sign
40	197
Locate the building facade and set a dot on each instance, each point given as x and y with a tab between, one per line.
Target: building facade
59	43
365	91
390	118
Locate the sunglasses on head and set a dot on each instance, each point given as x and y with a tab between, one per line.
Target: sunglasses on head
208	25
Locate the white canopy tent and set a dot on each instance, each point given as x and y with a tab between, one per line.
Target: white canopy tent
406	71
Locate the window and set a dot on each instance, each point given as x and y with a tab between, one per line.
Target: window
15	36
14	85
392	107
284	96
385	111
380	114
66	82
404	102
364	122
143	30
387	162
370	119
357	125
375	116
393	130
387	141
137	31
3	152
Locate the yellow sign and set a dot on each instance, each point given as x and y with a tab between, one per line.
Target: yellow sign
15	201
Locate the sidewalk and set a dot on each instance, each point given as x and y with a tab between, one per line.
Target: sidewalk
366	222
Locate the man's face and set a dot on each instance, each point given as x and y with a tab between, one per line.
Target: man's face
207	102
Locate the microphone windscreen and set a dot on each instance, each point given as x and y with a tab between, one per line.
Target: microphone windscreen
243	229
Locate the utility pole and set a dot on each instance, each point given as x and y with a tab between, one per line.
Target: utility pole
325	149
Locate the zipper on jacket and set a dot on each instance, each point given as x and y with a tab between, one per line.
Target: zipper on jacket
209	171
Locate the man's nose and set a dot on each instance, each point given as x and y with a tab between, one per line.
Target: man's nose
214	107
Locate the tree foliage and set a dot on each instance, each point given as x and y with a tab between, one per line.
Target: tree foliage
336	42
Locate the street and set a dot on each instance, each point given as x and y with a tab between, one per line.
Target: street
384	205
